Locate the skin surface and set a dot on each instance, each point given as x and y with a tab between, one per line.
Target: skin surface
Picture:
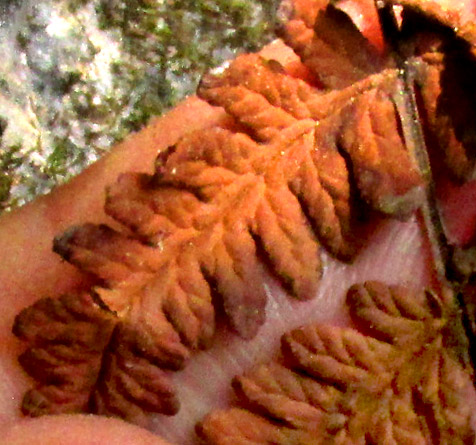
396	253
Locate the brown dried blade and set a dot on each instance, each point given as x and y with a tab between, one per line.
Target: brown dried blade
357	123
85	360
395	379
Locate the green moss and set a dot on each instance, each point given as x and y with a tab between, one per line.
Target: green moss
98	69
5	184
9	160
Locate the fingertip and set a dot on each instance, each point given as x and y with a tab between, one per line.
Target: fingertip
77	430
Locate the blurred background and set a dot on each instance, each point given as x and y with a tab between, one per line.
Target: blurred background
76	76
